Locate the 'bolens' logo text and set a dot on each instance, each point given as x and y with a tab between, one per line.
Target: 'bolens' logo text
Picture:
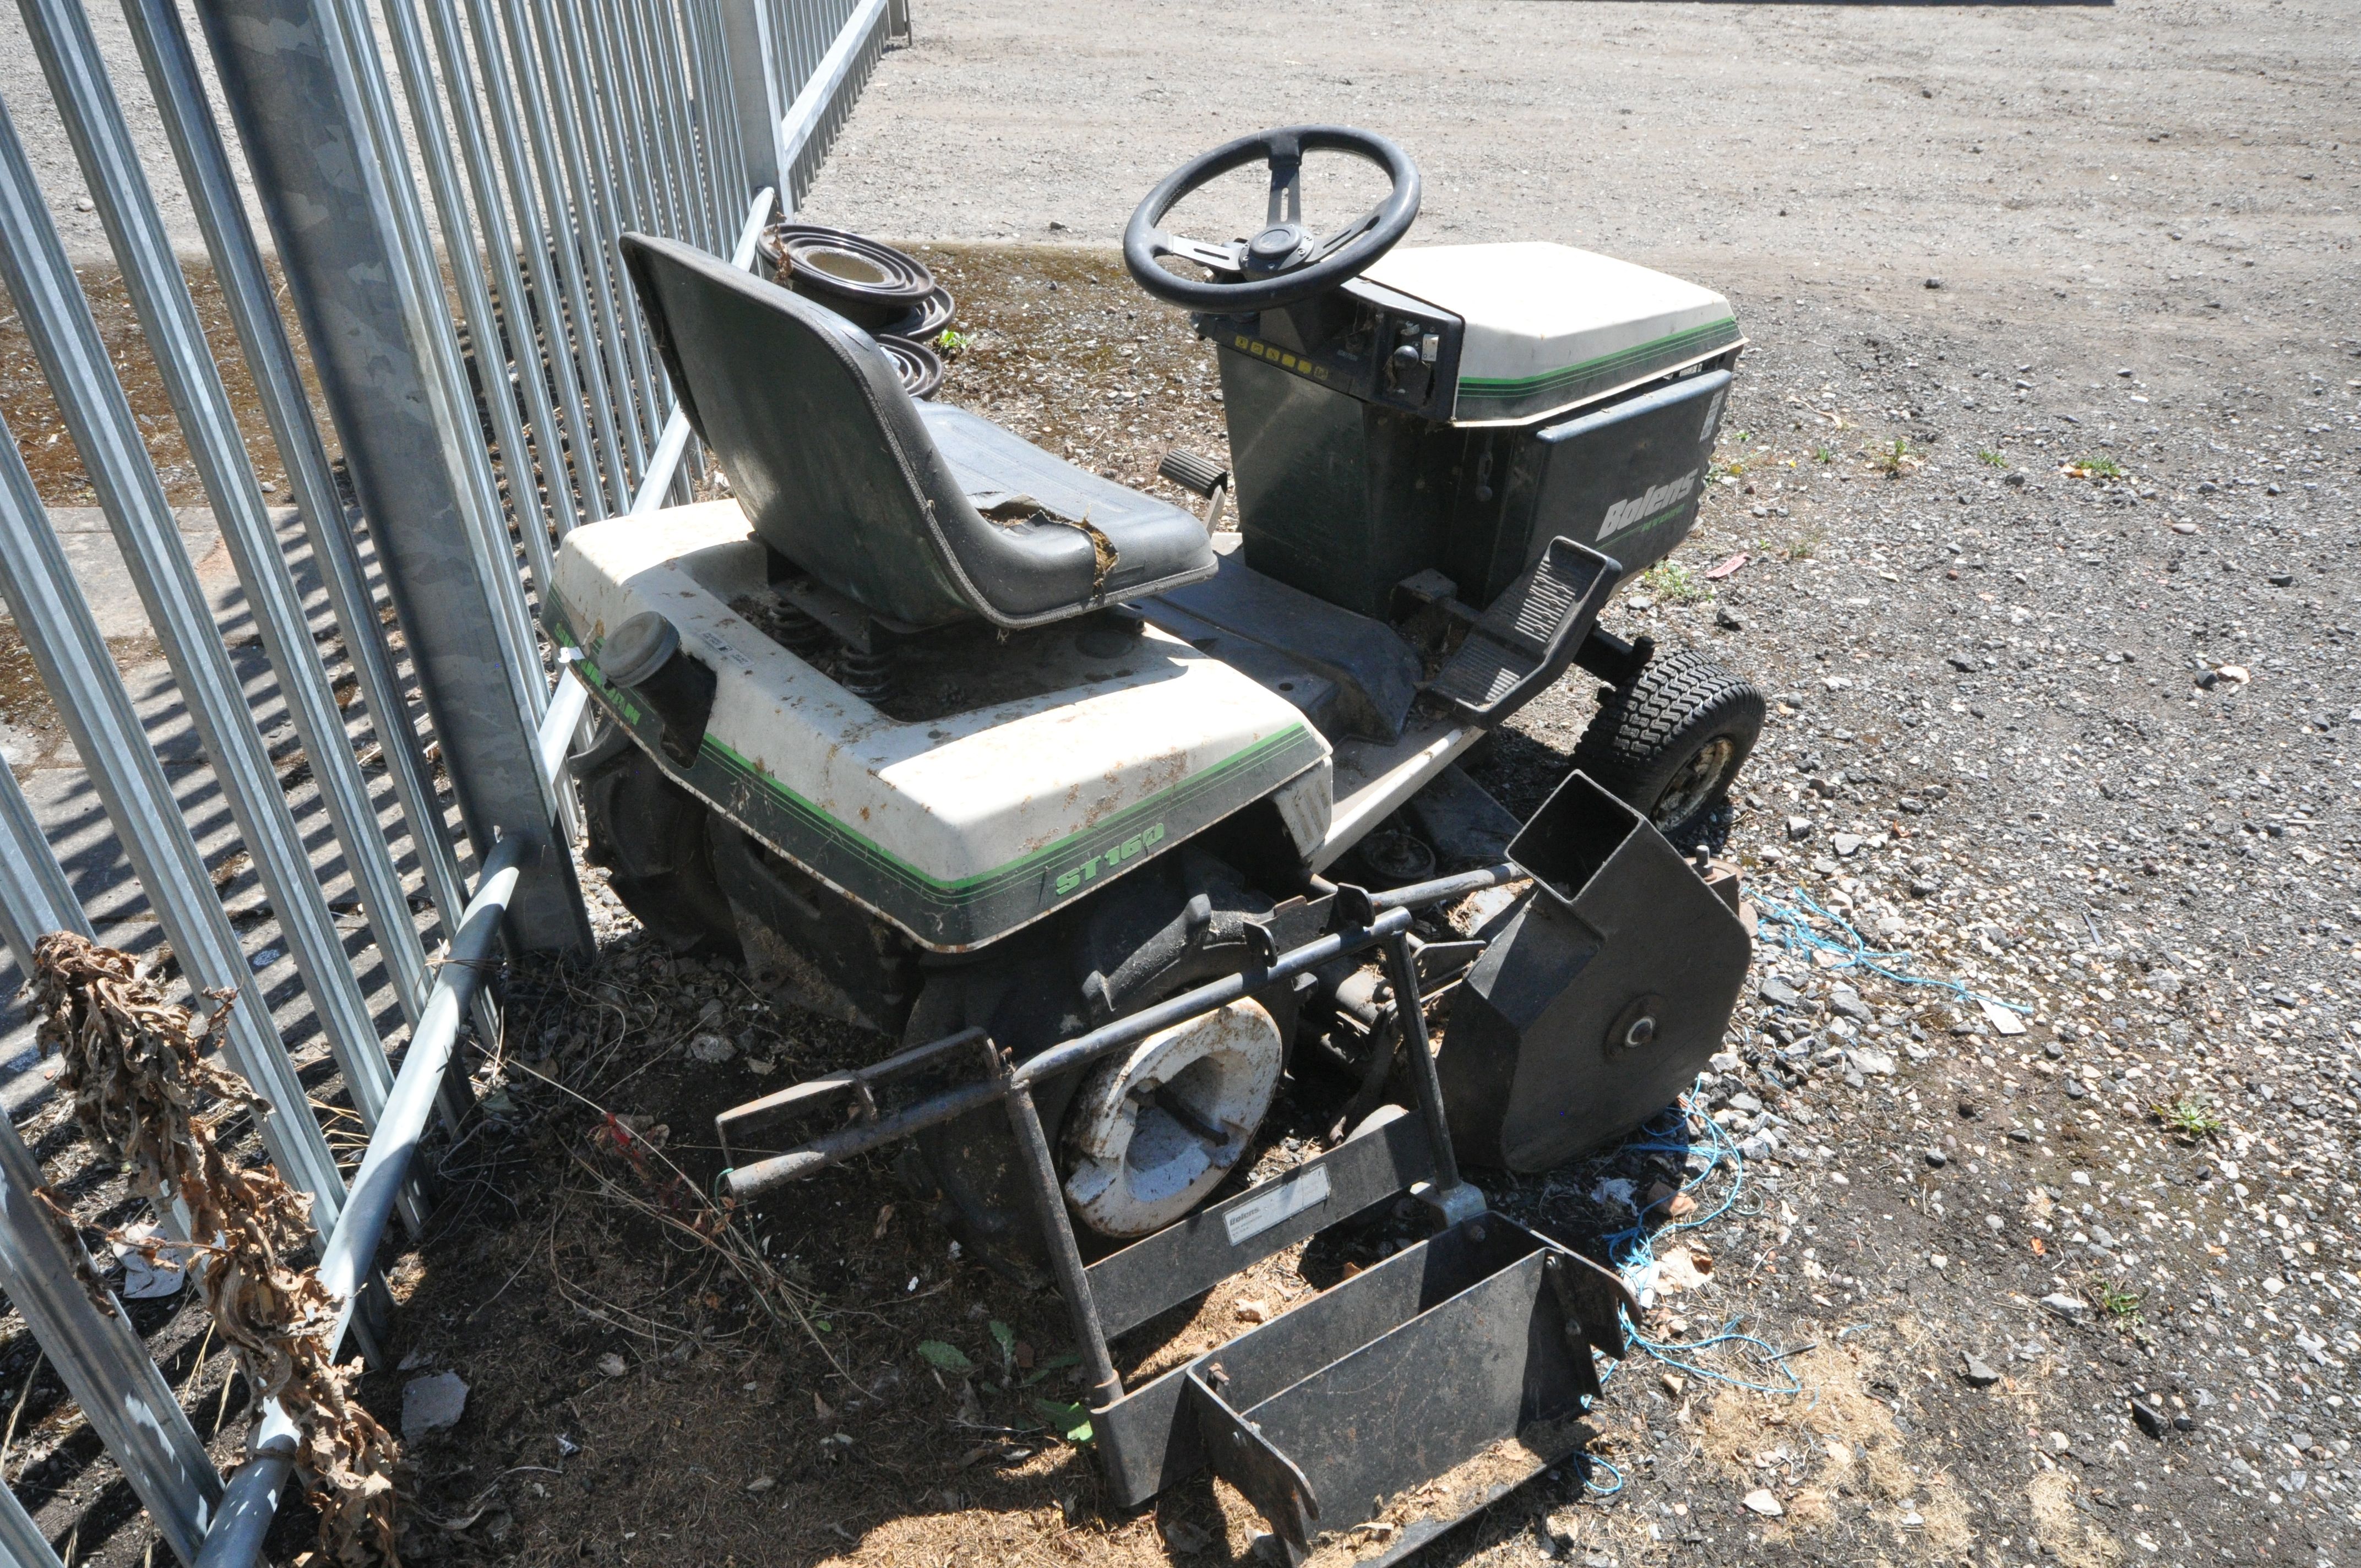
1639	508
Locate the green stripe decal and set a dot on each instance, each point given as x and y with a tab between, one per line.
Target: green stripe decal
1525	393
969	910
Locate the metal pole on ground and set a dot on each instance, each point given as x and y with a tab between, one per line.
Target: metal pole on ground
410	442
252	1496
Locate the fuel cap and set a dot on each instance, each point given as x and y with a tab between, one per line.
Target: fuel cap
638	648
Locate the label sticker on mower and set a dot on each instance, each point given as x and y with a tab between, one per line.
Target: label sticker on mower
1283	1201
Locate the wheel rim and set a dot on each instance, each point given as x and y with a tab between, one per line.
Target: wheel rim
1695	784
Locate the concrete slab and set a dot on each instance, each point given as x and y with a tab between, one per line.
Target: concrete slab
106	580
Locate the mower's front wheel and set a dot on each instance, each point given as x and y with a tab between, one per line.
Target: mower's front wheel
1670	741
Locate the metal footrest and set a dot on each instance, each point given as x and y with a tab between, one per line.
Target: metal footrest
1528	636
1475	1345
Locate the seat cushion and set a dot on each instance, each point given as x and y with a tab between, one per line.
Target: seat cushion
1033	496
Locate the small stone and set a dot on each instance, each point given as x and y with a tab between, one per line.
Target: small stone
1934	282
712	1047
2075	1089
1875	1063
1799	828
1936	1159
1846	1002
1761	1501
2058	1442
1846	844
432	1404
1977	1375
2069	1307
1778	993
612	1365
2151	1420
1727	618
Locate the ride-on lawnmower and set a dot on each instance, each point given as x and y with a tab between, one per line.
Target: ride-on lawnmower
1040	778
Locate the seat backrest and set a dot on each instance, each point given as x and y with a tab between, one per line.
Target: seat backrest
808	420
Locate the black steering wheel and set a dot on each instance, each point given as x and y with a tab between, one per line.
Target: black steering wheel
1284	263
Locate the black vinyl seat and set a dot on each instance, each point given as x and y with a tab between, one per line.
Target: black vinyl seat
922	512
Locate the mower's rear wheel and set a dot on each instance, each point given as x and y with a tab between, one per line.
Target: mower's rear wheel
651	835
1670	743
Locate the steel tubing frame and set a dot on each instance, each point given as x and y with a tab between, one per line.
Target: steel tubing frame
251	1499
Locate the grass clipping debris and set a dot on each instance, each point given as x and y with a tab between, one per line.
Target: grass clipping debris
134	1066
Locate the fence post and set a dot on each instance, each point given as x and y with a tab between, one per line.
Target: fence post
755	103
410	444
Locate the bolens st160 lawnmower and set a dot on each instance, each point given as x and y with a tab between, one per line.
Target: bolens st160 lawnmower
1037	777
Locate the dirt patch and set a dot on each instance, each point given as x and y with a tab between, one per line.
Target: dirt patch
34	418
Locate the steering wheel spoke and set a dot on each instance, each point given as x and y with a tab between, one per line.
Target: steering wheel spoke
1281	264
1342	237
1286	180
1229	258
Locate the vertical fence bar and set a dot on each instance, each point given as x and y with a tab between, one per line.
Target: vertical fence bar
576	223
34	896
652	22
513	317
21	1543
599	115
363	84
75	666
564	302
213	193
121	1391
811	121
111	169
717	113
526	502
330	175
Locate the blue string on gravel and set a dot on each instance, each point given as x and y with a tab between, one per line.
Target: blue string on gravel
1633	1250
1796	931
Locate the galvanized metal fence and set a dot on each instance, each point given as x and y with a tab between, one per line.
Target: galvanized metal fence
442	182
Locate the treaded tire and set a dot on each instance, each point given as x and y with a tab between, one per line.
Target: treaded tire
650	834
1670	743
